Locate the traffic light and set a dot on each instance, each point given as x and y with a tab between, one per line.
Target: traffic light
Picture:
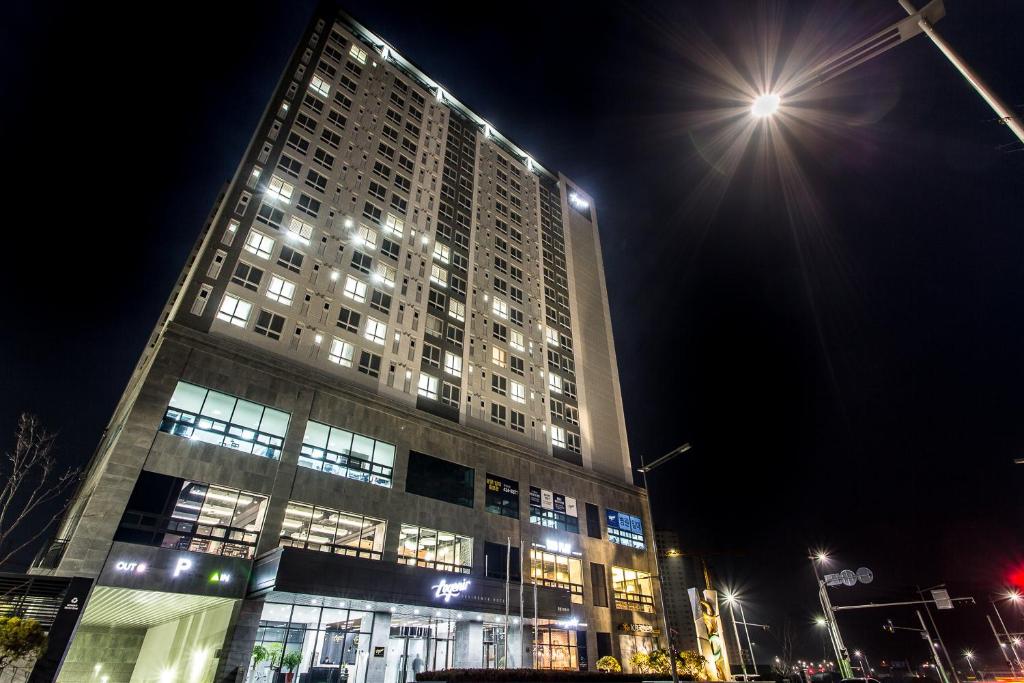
887	626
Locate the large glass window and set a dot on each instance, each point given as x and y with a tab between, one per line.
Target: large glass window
502	496
556	648
346	454
332	531
632	590
558	571
435	549
171	512
334	643
221	419
439	479
553	510
627	530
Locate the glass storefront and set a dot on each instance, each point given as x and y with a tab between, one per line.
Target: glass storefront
327	643
339	640
632	590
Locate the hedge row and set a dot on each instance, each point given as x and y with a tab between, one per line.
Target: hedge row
537	676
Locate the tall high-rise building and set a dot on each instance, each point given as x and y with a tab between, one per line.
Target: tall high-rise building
378	427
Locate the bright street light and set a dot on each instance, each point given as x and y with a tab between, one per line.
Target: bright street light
765	105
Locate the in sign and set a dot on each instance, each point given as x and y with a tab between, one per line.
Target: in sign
450	590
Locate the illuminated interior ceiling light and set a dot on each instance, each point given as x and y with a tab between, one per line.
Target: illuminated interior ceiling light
765	105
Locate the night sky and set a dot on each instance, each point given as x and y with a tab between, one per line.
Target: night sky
851	381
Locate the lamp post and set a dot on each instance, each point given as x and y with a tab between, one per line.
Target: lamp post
729	600
1012	596
750	644
644	470
865	665
842	656
969	656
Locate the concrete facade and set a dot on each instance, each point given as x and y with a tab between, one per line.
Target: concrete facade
482	338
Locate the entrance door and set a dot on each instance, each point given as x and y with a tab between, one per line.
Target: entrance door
406	654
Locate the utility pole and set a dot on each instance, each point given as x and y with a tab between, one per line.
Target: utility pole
938	635
999	643
931	646
842	657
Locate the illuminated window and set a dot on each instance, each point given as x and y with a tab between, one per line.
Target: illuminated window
517	392
385	274
376	330
442	550
623	529
515	340
341	352
500	308
358	54
300	230
394	225
345	454
457	310
281	290
442	252
234	310
428	386
632	590
319	86
499	356
355	289
558	571
552	337
557	436
332	531
209	416
366	237
553	510
258	243
452	364
175	513
280	189
554	383
438	275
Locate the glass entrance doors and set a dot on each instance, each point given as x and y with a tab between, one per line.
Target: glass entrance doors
418	644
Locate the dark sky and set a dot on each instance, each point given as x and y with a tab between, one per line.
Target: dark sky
852	380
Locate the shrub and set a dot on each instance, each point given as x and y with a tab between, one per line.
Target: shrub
536	676
608	664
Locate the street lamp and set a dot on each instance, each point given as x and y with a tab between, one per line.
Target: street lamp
969	656
644	470
730	600
765	105
1012	596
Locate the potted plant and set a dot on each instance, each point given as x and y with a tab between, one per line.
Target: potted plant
259	654
290	661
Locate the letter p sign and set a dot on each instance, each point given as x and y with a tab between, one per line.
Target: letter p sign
184	564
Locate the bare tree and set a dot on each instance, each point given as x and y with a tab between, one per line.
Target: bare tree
34	488
788	639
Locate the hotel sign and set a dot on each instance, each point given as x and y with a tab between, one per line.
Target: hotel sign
450	590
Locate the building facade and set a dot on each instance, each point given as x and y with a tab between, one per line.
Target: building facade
378	428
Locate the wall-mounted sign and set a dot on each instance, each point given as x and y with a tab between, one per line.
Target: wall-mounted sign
378	650
624	522
549	500
450	590
183	565
130	567
220	577
646	629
